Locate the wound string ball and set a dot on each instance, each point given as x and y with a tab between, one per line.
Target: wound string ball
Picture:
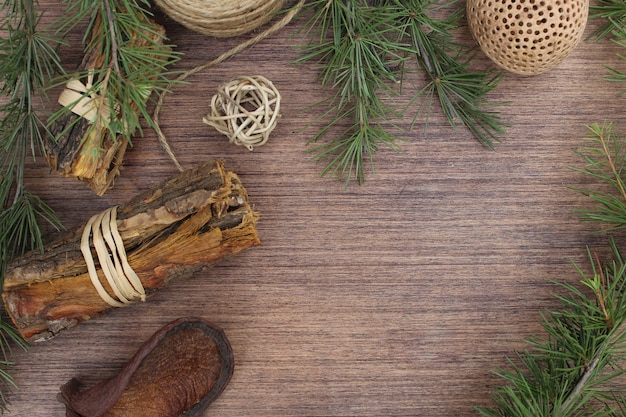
221	18
527	37
246	110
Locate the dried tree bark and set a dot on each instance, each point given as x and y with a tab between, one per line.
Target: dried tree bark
92	154
169	232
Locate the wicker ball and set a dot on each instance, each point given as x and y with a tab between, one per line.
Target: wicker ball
246	110
527	36
221	18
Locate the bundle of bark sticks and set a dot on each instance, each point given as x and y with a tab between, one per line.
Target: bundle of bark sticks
168	232
80	146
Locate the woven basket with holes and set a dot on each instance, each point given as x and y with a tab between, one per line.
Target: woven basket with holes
221	18
527	36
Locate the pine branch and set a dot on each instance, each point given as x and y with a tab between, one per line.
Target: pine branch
613	13
356	53
461	92
129	74
28	62
605	159
360	46
572	369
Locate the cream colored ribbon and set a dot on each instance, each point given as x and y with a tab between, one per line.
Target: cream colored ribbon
76	99
109	246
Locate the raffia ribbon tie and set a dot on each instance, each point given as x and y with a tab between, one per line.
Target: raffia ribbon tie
82	100
246	110
109	246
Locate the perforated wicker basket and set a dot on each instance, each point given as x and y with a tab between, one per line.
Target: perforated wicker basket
527	37
221	18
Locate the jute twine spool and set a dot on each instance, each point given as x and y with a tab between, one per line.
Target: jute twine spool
246	110
221	18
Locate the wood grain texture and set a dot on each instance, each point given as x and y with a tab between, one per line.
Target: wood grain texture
396	298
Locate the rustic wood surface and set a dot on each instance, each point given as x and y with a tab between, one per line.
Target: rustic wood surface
394	298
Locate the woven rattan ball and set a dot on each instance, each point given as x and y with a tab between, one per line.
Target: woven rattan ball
221	18
246	110
527	36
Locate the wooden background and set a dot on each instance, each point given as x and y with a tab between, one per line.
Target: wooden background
394	298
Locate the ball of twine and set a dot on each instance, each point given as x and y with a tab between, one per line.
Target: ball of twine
221	18
246	110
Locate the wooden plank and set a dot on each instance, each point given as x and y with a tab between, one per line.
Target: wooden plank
395	298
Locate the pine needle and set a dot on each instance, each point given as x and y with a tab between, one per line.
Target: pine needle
604	158
29	65
361	49
130	74
573	370
28	61
613	15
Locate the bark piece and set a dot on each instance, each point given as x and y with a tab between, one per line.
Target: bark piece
170	231
182	368
86	150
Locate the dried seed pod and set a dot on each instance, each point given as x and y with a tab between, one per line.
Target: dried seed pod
180	370
527	37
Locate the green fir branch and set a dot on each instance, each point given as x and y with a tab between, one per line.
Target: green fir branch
355	50
576	367
8	338
613	13
130	75
604	158
28	63
461	92
573	369
361	48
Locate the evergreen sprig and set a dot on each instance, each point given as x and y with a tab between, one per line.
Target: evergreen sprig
357	51
575	368
28	62
362	47
29	65
604	157
135	63
613	13
461	91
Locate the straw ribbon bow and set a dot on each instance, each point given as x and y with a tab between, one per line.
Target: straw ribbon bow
82	100
109	246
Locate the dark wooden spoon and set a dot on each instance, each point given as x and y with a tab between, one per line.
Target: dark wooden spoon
182	368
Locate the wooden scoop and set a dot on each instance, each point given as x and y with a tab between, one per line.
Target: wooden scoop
180	370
